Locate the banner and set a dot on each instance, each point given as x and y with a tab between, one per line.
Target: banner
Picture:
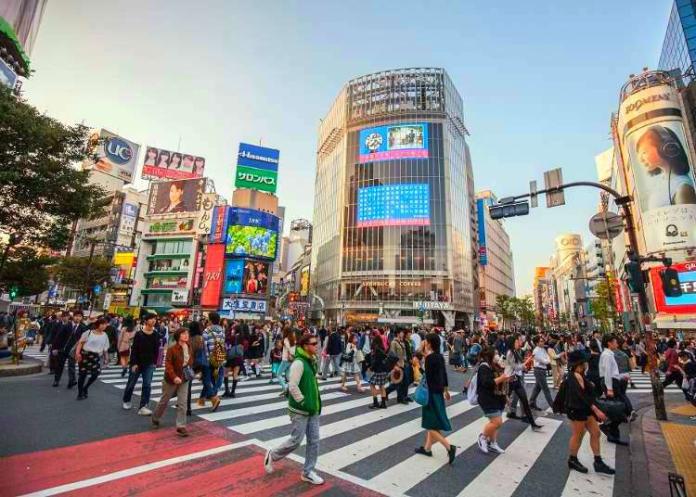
218	227
257	168
171	197
304	281
481	214
115	156
212	275
165	164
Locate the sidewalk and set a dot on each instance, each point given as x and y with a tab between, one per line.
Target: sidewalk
662	447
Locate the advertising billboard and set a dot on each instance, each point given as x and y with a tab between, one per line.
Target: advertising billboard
255	280
171	197
304	281
684	304
481	214
114	155
406	204
165	164
257	168
234	276
251	233
212	275
218	225
398	141
171	227
661	169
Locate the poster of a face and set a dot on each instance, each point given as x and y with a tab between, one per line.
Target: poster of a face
170	197
255	278
165	164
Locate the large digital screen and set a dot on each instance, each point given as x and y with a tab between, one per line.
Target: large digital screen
406	204
251	233
686	302
398	141
234	275
255	278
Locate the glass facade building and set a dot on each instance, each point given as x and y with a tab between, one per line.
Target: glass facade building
394	214
679	46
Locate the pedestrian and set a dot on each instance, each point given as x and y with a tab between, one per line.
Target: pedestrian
288	356
125	338
178	374
491	383
611	383
71	333
197	345
434	415
334	349
672	360
515	367
92	348
142	362
542	362
365	348
276	357
380	373
583	413
398	349
350	364
304	406
593	368
58	336
687	367
215	358
235	359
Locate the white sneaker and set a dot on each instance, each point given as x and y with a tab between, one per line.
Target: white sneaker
268	462
127	405
144	411
495	447
312	478
483	443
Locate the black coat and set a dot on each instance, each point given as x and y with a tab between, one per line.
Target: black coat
61	335
335	345
74	336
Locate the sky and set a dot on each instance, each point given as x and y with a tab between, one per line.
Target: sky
539	80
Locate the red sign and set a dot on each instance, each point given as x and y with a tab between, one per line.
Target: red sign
686	304
618	302
212	275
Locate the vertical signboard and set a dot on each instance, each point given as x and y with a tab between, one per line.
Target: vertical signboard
257	168
481	214
218	226
212	275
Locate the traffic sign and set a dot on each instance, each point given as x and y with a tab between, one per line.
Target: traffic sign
606	225
554	179
97	289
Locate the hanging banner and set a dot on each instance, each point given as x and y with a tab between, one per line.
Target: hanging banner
212	275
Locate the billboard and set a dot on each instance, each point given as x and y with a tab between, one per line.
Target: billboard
234	276
684	304
483	250
218	225
398	141
251	233
212	275
660	167
7	76
257	168
171	227
255	279
115	155
304	281
170	197
165	164
406	204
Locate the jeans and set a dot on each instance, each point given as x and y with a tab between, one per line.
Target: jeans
168	391
332	359
365	365
540	385
284	366
60	365
146	372
301	425
211	385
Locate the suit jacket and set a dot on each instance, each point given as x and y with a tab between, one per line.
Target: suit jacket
74	336
61	335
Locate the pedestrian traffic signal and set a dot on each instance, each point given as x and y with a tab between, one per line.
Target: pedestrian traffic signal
635	276
670	283
511	209
13	292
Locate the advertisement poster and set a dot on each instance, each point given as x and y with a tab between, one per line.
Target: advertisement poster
115	156
252	233
394	205
481	214
171	197
234	276
218	226
165	164
662	170
304	281
257	168
399	141
255	278
212	275
684	304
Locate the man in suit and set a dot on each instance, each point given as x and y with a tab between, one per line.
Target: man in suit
69	335
53	334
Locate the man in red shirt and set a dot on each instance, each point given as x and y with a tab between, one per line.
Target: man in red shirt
672	359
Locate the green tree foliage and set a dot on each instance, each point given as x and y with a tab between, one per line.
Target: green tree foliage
82	274
513	309
27	271
41	190
602	309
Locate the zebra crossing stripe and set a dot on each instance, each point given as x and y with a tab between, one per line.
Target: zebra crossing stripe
578	483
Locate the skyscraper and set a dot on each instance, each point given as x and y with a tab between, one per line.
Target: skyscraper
394	236
679	46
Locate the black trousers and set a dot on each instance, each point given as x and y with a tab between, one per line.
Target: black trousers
518	391
60	365
402	388
620	394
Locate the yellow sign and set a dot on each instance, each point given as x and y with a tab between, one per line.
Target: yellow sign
304	281
124	258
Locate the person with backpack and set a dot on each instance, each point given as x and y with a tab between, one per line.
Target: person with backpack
234	359
334	349
216	354
276	357
142	363
434	415
489	384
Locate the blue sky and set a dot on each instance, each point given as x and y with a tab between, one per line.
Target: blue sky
539	81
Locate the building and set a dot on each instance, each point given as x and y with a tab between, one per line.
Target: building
571	299
394	238
496	271
19	25
679	46
543	295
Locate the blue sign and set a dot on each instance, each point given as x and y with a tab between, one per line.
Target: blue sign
234	274
249	217
97	289
687	281
406	204
130	210
397	141
258	157
7	75
483	250
118	151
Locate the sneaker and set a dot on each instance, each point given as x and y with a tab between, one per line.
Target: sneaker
421	450
144	411
127	406
496	448
633	416
483	443
312	478
268	462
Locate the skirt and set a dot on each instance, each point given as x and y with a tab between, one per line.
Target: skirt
350	368
379	379
234	362
90	364
434	415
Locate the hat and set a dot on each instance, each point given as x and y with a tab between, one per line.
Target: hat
576	357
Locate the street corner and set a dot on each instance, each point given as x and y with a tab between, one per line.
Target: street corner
211	461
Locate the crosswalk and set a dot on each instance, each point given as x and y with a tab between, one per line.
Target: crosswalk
374	448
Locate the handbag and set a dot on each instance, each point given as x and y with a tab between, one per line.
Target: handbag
421	395
614	409
188	373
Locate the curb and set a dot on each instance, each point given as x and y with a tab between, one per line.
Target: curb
27	366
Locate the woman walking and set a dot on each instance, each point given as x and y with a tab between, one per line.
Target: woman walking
234	361
434	415
583	414
491	391
177	380
288	356
380	373
516	366
92	348
125	338
350	364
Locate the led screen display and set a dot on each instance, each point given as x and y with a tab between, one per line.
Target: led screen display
234	273
398	141
405	204
253	241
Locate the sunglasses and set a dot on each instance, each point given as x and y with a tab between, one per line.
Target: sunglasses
312	343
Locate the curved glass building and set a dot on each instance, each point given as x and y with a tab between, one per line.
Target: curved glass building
394	214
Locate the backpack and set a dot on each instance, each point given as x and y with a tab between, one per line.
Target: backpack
472	390
219	355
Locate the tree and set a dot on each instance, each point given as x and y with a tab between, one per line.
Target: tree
504	308
83	273
41	193
525	310
27	271
602	309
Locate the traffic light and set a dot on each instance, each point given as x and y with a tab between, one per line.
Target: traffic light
670	283
635	276
510	209
13	292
